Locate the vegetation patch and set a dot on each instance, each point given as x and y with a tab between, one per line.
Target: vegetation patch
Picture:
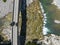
4	0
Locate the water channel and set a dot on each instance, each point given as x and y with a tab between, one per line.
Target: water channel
51	18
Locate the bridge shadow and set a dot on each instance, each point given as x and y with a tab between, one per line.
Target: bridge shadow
22	8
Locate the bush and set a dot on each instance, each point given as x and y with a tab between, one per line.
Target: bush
4	0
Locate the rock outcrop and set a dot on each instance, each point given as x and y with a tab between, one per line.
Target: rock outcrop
50	40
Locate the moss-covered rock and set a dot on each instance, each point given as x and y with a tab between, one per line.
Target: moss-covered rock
34	21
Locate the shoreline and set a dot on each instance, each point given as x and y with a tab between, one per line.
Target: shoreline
45	30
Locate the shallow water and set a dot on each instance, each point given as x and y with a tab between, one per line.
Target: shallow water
52	25
57	2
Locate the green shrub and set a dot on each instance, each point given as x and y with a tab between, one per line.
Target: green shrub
4	0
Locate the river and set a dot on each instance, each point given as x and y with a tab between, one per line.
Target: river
51	25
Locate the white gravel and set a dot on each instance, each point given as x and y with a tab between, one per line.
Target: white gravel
5	7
